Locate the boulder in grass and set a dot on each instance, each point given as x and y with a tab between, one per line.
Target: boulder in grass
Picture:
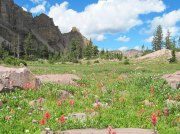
173	80
11	78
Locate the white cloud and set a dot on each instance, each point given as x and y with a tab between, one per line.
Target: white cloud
39	8
36	1
25	9
149	40
167	21
123	39
105	16
123	48
97	37
137	48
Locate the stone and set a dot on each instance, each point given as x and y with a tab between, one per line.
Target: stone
38	101
65	79
173	79
148	103
100	104
80	116
104	131
11	78
64	94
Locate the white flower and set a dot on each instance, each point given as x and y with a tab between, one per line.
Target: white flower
19	108
47	129
8	107
26	131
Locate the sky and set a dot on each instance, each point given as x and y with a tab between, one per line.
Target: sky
111	24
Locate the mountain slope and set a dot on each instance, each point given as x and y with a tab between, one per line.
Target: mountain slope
15	23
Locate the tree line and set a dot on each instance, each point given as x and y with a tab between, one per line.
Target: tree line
159	42
73	53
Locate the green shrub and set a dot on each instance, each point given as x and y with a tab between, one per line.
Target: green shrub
88	62
14	61
173	59
126	61
96	61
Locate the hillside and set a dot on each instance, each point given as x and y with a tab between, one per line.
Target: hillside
164	54
16	24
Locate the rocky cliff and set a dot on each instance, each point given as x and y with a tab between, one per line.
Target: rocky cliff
15	23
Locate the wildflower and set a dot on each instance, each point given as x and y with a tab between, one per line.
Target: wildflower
142	110
1	103
87	110
71	102
42	122
19	108
12	111
62	119
152	90
8	107
177	97
47	129
26	131
92	110
47	115
121	99
154	119
158	113
59	103
170	97
166	112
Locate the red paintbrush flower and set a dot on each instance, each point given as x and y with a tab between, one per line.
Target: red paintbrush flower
177	97
47	115
42	122
166	112
62	119
71	102
114	132
154	119
152	90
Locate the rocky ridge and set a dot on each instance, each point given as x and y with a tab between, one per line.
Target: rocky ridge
14	22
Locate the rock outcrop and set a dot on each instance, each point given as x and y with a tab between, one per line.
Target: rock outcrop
16	23
17	77
173	79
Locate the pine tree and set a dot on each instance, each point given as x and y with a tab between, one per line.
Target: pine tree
89	50
158	39
28	44
168	43
143	48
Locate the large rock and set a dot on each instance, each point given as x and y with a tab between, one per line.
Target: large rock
67	79
17	77
173	79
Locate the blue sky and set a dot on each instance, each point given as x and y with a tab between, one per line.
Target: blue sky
111	24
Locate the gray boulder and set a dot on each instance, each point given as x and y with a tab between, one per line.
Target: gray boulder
11	78
173	79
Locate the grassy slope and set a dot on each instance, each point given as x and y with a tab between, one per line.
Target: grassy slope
94	79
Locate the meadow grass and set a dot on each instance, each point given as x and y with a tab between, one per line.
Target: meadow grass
123	87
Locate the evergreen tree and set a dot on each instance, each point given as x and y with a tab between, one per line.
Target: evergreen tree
173	46
28	44
179	41
168	43
158	39
89	50
143	48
